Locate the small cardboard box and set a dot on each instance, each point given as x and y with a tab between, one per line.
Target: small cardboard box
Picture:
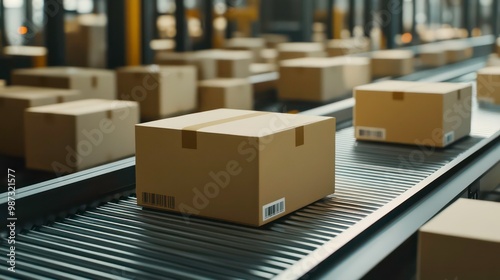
311	79
68	137
457	51
488	85
254	45
273	40
232	64
160	90
2	83
205	64
225	93
433	56
269	55
86	41
300	50
240	166
13	102
461	242
92	83
415	113
493	60
339	47
357	70
392	63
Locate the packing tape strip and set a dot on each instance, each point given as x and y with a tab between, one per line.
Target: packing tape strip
190	139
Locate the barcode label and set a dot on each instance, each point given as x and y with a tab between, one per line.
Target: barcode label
273	209
370	133
448	138
160	200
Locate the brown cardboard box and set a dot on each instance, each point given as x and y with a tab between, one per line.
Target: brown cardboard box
416	113
92	83
262	68
493	60
457	51
160	90
432	55
204	62
357	70
339	47
239	166
2	83
86	41
392	63
225	93
269	55
300	50
462	242
38	55
231	64
273	40
72	136
488	85
13	102
311	79
254	45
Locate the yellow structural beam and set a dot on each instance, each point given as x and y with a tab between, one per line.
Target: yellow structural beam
133	31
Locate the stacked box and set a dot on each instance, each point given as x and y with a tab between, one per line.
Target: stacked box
415	113
432	55
225	93
273	40
461	242
263	166
205	64
232	64
254	45
457	51
92	83
339	47
86	41
160	90
13	102
392	63
300	50
72	136
357	71
488	85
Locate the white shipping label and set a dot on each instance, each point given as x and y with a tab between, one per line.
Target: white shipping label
374	133
273	209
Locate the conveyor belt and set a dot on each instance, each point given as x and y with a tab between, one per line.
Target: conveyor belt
119	240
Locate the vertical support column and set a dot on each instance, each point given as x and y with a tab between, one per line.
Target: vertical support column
414	34
329	18
133	31
352	17
479	16
466	17
390	28
115	10
55	39
148	25
367	18
494	18
306	20
208	23
3	30
181	36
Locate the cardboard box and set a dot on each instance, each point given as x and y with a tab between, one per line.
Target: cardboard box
415	113
92	83
432	55
86	41
13	102
269	56
2	83
311	79
225	93
160	90
68	137
461	242
254	45
202	60
493	60
300	50
357	71
457	51
38	55
262	68
488	85
232	64
392	63
339	47
273	40
240	166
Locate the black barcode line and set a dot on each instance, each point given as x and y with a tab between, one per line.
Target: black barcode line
274	209
371	133
161	200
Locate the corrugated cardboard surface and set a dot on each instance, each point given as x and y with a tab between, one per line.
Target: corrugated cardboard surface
225	93
72	136
462	242
92	83
160	90
413	113
392	63
228	164
13	102
488	85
